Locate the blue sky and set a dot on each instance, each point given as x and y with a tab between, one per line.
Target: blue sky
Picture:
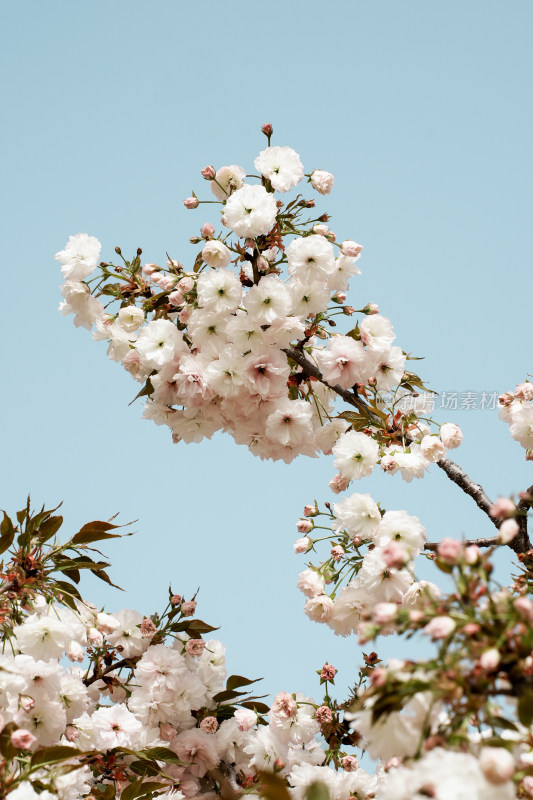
423	113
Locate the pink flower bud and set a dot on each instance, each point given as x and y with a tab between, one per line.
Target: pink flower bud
195	647
472	555
471	628
209	173
209	724
490	659
339	297
388	464
207	230
338	484
440	627
267	129
185	315
72	734
176	599
324	715
384	613
175	299
148	269
262	264
337	552
75	652
246	719
320	229
378	676
507	531
356	541
310	511
395	555
350	763
148	629
525	607
22	739
95	637
348	311
370	309
328	672
304	525
27	703
167	731
188	608
497	764
450	550
191	202
302	545
415	616
503	507
166	282
351	248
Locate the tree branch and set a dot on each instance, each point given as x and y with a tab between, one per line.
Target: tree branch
299	357
493	542
520	544
523	506
465	482
126	662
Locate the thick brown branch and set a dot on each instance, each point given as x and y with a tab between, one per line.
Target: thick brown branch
465	482
523	506
300	358
493	542
126	662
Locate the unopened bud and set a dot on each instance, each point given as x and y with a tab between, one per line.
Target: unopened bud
267	129
338	297
310	511
371	308
348	310
209	173
191	202
207	230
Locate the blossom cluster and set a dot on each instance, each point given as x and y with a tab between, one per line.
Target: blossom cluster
516	409
244	341
142	698
369	571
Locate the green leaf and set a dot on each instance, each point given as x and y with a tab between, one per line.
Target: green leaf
234	681
146	391
227	695
274	787
317	791
161	754
54	755
261	708
90	536
201	627
7	533
102	574
525	707
142	788
49	528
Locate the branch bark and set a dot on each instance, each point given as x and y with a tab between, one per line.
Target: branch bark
492	542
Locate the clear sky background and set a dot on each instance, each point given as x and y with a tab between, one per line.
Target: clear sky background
422	110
